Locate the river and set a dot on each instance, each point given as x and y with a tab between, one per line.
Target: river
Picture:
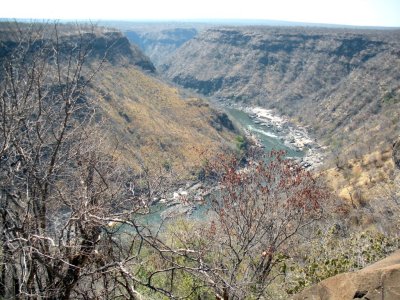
271	131
270	137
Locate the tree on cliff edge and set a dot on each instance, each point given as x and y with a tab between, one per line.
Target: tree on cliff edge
256	217
62	195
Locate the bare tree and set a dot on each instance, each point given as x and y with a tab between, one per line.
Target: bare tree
69	212
52	176
257	216
63	196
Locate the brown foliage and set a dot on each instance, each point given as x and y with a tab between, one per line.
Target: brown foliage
256	215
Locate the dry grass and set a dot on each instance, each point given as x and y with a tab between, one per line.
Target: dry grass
153	124
361	180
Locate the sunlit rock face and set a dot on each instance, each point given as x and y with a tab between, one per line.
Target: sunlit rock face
375	282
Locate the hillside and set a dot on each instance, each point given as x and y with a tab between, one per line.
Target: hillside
154	124
150	122
343	83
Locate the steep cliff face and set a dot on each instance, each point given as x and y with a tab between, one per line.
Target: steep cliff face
264	64
121	51
109	45
341	82
150	121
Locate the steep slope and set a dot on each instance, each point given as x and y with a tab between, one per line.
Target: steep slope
325	77
147	120
343	83
101	43
154	125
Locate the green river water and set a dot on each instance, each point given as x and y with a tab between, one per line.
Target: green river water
269	137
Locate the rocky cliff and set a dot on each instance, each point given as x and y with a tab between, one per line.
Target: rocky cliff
331	79
344	84
378	281
150	121
99	43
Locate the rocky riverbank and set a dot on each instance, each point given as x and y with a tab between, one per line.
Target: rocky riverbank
191	196
291	135
184	201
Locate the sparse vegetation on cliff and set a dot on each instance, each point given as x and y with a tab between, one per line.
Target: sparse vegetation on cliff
92	142
343	84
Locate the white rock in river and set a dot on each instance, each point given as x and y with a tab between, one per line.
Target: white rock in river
177	210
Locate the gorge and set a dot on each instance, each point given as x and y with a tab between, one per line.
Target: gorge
341	84
102	149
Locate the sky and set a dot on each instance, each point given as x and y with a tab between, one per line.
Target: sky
346	12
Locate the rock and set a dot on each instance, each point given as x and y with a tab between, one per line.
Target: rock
196	187
378	281
173	203
206	193
155	200
177	210
198	198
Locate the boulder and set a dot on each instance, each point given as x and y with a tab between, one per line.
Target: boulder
177	210
378	281
196	187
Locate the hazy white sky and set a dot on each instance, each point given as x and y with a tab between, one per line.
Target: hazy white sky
351	12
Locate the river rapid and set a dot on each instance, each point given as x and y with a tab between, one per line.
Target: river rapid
263	134
263	127
271	131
